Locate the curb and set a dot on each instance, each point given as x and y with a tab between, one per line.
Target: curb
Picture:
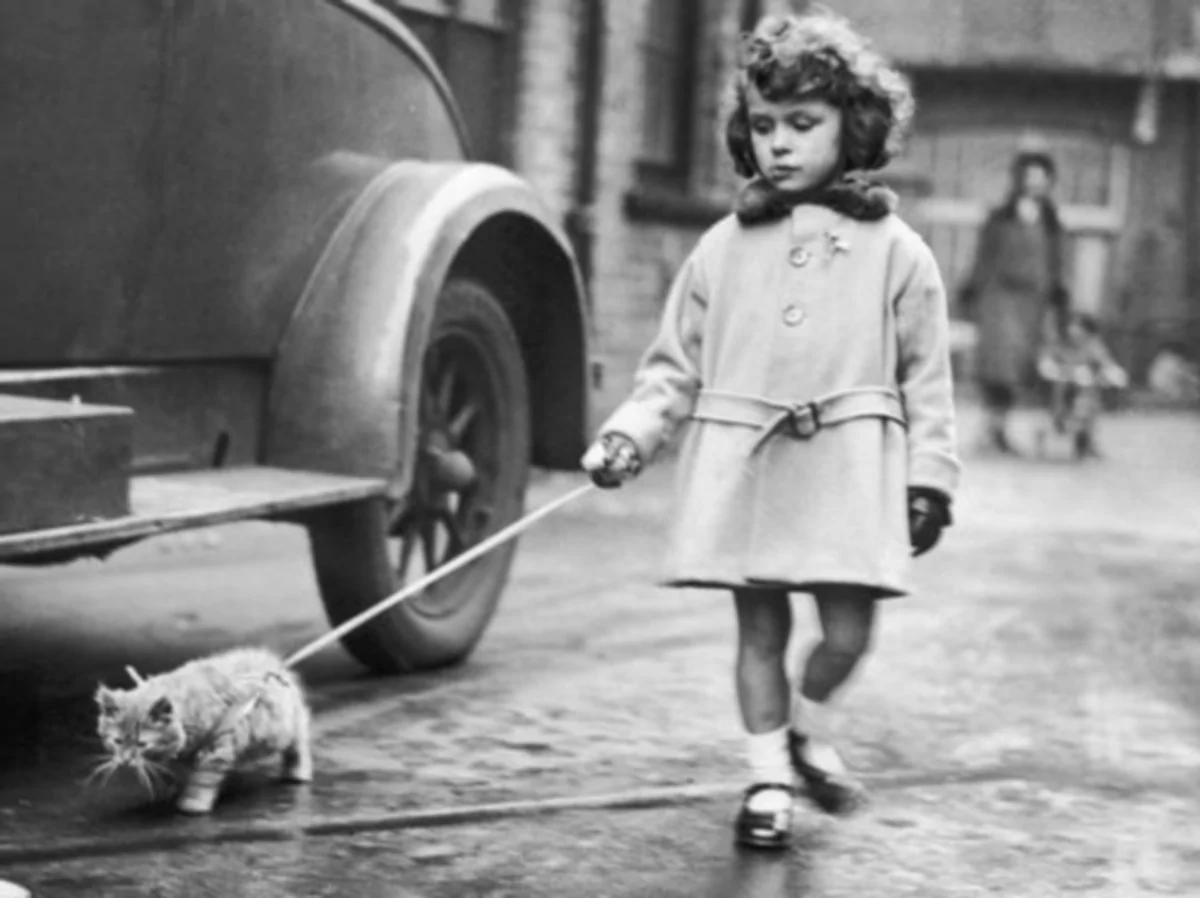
634	800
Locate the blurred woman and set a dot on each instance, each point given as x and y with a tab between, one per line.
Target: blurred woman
1015	282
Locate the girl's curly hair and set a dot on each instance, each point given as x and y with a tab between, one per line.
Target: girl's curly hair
818	55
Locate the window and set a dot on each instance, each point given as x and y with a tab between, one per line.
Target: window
669	59
472	41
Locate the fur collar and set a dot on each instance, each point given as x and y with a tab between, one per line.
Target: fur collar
852	195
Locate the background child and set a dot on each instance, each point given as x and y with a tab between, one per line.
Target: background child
806	340
1077	366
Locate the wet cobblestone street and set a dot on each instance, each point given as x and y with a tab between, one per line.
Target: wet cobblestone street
1029	722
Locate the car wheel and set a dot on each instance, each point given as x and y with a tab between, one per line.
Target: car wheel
472	467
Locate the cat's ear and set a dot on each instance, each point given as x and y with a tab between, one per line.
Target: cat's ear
106	699
162	710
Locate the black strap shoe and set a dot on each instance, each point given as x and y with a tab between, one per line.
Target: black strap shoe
834	792
764	829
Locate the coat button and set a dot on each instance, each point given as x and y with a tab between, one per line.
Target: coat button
793	315
799	256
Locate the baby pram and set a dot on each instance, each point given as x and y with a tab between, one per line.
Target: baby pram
1074	367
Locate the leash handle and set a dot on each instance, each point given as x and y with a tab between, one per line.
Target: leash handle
459	561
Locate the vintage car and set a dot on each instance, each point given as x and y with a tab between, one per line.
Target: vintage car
249	270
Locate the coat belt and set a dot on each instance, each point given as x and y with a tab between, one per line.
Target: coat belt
801	420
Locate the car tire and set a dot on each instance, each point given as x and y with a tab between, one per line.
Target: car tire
469	481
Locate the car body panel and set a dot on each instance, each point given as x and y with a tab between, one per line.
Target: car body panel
80	105
142	166
276	187
338	375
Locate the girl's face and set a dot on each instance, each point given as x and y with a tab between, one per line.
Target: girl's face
796	144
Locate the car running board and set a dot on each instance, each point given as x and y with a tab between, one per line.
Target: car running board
162	503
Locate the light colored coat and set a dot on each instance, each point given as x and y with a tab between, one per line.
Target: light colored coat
790	311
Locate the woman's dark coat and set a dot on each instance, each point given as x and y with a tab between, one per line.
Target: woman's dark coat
1015	281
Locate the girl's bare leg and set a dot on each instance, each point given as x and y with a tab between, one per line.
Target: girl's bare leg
764	627
847	615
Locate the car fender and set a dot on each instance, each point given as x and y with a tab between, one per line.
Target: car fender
342	395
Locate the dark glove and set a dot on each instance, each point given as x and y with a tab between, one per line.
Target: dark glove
928	515
612	460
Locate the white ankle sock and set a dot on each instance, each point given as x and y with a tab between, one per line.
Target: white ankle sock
813	720
767	754
809	717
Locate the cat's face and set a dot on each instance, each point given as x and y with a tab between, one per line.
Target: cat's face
137	726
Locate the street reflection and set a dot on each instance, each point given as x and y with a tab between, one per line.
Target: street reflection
768	874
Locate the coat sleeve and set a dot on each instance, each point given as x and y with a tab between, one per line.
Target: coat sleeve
668	377
924	376
1060	297
982	268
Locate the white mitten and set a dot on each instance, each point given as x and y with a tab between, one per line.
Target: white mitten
612	460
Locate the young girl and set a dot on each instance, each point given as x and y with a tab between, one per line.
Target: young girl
805	339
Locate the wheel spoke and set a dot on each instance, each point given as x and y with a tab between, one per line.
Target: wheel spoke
463	420
457	543
429	543
406	549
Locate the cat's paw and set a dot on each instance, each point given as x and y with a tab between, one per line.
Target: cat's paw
197	799
297	768
194	805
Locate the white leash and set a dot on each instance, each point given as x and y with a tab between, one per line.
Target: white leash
459	561
235	712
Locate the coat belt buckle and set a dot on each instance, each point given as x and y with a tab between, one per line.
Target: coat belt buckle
804	420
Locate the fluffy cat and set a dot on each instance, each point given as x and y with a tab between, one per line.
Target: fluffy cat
192	723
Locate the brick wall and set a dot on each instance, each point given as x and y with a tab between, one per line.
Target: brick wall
633	259
636	259
548	78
